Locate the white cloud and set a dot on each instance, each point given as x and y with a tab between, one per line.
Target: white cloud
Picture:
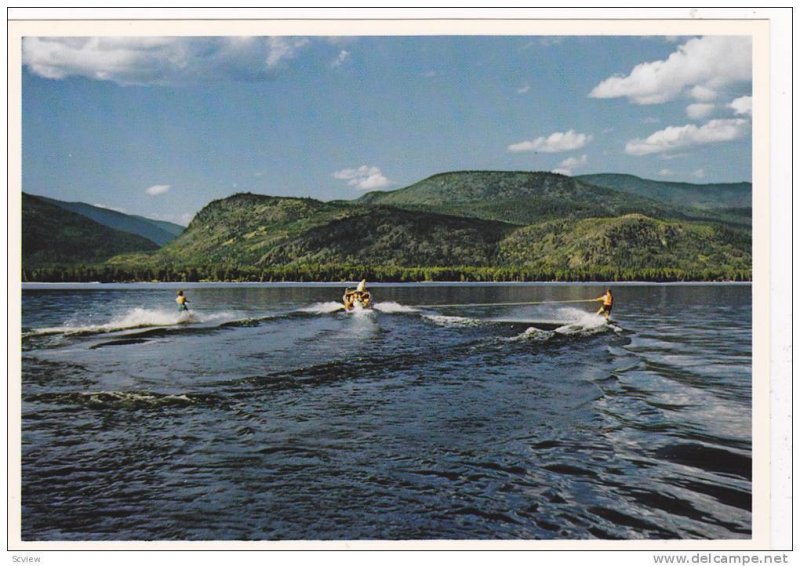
703	93
699	110
365	177
157	190
569	165
699	174
701	65
574	162
742	105
666	173
671	156
680	137
340	58
554	143
524	89
159	60
282	48
430	74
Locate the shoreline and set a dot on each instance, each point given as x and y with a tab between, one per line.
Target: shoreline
32	285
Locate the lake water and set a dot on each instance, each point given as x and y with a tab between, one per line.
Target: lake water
270	414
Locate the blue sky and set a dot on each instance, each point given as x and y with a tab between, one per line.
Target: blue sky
161	126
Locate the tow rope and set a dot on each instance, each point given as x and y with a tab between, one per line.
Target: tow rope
510	304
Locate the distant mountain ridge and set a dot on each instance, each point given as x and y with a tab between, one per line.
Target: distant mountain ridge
53	235
459	225
157	231
519	197
706	196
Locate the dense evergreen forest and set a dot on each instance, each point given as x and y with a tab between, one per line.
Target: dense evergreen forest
315	273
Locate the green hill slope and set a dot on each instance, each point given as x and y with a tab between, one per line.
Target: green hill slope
632	243
706	196
519	197
51	235
256	230
254	236
157	231
389	236
245	227
463	225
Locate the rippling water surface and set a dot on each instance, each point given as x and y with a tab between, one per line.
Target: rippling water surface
269	414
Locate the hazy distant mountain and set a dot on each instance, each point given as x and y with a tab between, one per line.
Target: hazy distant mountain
156	231
706	196
51	234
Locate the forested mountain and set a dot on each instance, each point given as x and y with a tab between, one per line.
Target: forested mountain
519	197
631	242
157	231
53	235
462	225
706	196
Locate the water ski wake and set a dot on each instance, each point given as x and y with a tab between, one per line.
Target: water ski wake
133	319
583	323
561	321
534	334
458	321
328	307
391	307
322	308
118	399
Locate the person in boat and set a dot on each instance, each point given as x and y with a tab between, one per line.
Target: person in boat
608	303
348	298
360	294
181	300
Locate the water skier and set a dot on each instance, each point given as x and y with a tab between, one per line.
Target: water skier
608	303
181	300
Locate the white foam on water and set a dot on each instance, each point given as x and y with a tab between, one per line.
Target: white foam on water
133	318
532	333
393	307
359	312
126	397
139	317
222	316
322	308
444	320
573	321
580	321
